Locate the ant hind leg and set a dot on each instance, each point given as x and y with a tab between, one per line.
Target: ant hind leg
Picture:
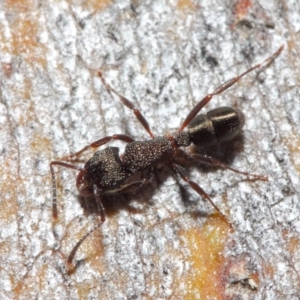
223	87
216	163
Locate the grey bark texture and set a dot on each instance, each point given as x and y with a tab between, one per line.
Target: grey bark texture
165	56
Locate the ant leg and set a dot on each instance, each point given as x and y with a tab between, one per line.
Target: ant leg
181	172
125	189
102	220
216	163
58	163
129	104
136	185
98	143
224	87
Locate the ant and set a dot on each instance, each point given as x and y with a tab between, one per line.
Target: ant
108	173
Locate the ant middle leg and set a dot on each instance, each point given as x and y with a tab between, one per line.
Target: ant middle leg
128	104
98	143
181	172
224	87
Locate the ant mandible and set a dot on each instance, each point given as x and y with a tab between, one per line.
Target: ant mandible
108	173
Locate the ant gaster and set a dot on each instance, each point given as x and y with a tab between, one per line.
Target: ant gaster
108	173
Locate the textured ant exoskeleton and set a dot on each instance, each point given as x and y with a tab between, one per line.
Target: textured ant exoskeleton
108	173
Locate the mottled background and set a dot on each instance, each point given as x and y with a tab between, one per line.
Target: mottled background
163	242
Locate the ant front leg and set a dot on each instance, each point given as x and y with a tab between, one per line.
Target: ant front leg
101	142
98	143
58	163
133	186
97	192
100	207
181	172
216	163
128	104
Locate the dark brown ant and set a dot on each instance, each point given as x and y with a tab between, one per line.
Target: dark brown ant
108	173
